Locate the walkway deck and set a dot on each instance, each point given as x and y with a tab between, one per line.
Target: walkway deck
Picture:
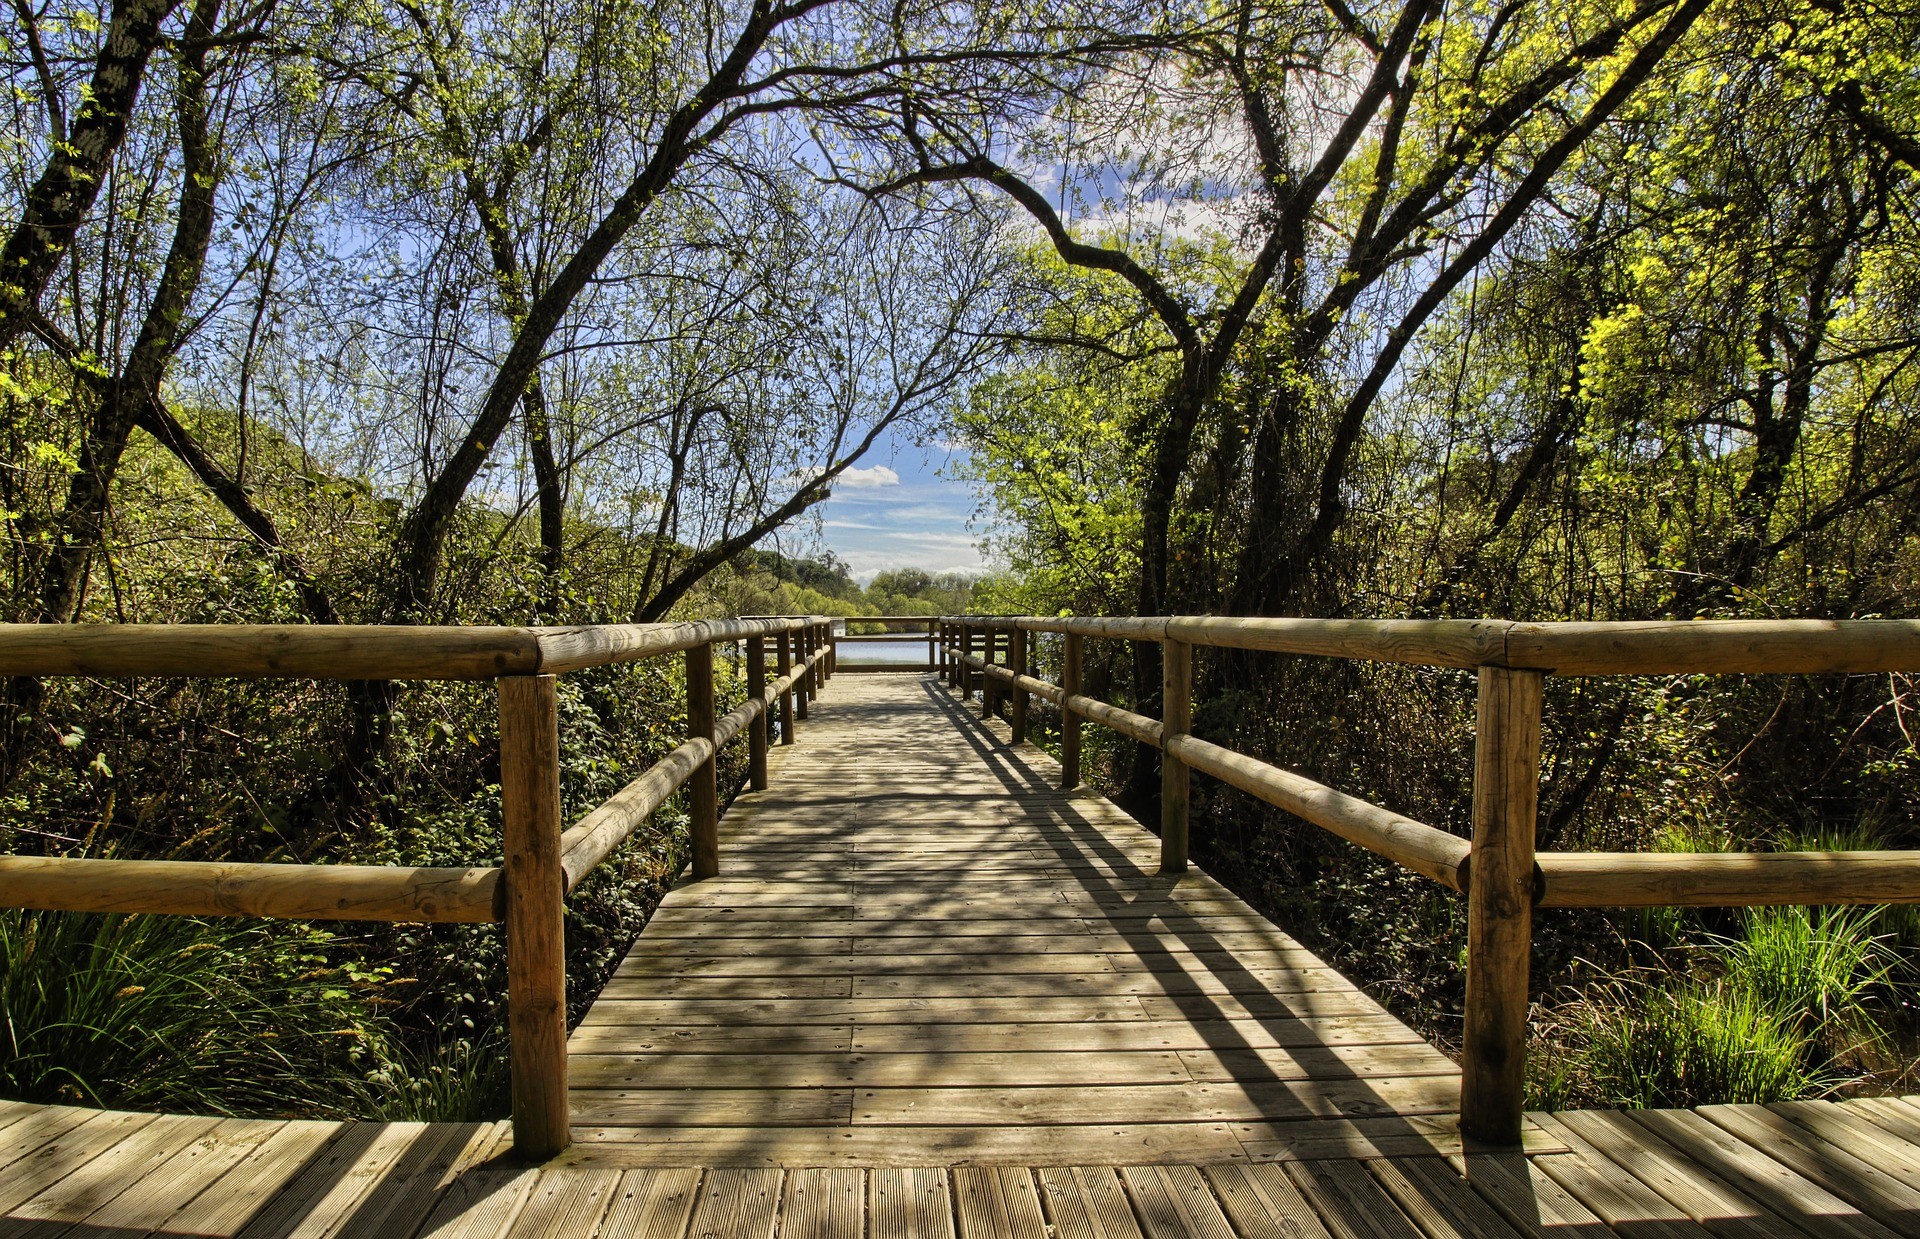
930	996
920	953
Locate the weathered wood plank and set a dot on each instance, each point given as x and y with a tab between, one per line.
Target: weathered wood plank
909	1203
736	1204
824	1203
1087	1202
997	1202
1263	1203
1174	1202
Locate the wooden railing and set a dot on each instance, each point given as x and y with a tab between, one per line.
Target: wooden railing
1498	870
896	629
542	862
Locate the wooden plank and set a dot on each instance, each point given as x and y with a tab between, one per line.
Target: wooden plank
1263	1203
1249	982
652	1204
330	1189
1523	1193
1174	1202
1174	1034
564	1204
150	1201
1351	1205
703	986
1863	1183
1787	1194
736	1204
1411	1135
106	1173
265	1171
597	1034
1113	1144
66	1154
819	1071
909	1203
40	1126
799	1011
1087	1202
1715	1204
1168	1103
405	1196
997	1202
480	1204
1611	1192
1890	1115
1439	1200
719	1107
823	1203
1318	1062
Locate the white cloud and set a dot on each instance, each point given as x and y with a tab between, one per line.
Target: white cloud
868	479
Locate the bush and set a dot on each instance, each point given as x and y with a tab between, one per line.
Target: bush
1686	1045
172	1013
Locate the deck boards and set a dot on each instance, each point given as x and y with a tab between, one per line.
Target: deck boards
914	930
972	1013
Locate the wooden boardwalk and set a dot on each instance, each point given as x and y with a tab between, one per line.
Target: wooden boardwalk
1807	1169
920	953
931	996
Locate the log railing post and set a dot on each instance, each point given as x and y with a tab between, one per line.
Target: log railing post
989	658
1017	663
831	663
1506	792
535	914
1176	717
783	667
703	792
803	686
757	732
1069	721
933	632
966	669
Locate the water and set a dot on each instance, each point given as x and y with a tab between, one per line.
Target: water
910	653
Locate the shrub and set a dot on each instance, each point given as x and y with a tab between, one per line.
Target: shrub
1686	1045
172	1013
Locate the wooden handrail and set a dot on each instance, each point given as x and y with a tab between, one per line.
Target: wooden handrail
219	888
351	651
1498	868
1657	647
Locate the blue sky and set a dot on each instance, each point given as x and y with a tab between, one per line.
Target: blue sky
895	510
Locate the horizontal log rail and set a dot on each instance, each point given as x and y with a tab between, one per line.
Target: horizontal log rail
1498	868
352	651
542	862
288	892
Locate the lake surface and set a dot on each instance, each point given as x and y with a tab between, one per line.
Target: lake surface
855	650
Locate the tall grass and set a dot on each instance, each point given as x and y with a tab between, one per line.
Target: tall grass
456	1081
1819	966
173	1013
1688	1045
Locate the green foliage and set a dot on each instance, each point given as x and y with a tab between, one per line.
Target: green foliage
1649	1045
173	1013
1818	966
